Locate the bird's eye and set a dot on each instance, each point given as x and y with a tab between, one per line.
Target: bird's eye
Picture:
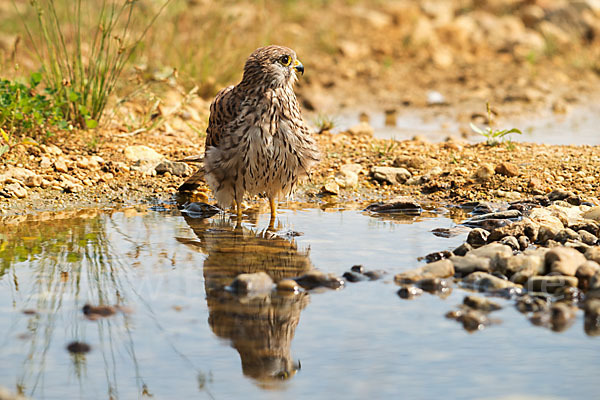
285	60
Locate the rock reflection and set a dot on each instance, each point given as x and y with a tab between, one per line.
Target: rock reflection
260	328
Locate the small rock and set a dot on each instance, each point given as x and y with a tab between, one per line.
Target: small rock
401	205
438	255
550	283
483	281
561	316
410	292
470	263
79	347
529	303
353	277
347	176
523	242
15	190
374	274
434	285
462	249
288	285
480	303
512	242
438	269
200	210
252	283
592	317
507	168
587	238
484	172
585	272
477	237
45	163
593	253
34	181
83	163
566	234
316	278
472	320
330	188
174	168
359	269
391	175
435	98
594	280
142	153
60	165
563	261
96	312
20	174
593	214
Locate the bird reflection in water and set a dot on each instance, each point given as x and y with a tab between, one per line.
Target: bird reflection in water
260	327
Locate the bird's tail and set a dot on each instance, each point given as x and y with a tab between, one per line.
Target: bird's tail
195	180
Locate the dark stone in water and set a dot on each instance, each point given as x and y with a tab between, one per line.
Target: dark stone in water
477	237
407	206
528	303
523	206
353	277
480	303
200	210
95	312
359	269
79	347
315	279
462	249
434	285
374	274
592	317
409	292
482	208
447	232
438	255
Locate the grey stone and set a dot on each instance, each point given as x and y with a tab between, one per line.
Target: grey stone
252	283
525	227
483	281
470	263
563	261
438	269
174	168
550	283
391	175
477	237
480	303
462	249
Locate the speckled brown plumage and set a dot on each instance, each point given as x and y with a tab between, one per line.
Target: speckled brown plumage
257	141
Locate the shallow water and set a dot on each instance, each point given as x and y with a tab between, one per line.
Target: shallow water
181	335
579	126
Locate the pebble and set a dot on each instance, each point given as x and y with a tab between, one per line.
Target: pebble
95	312
523	242
464	265
316	278
79	347
483	281
410	292
14	190
400	205
142	153
437	269
200	210
588	238
438	255
562	316
33	181
362	129
330	188
507	168
347	176
529	303
593	253
462	249
480	303
563	261
180	169
566	234
358	269
585	272
353	276
593	214
484	172
390	175
512	242
477	237
252	283
592	317
60	165
550	283
434	285
45	163
374	274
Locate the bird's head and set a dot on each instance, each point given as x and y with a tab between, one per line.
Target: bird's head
272	66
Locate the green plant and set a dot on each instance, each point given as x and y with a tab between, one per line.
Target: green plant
493	136
25	111
81	68
324	123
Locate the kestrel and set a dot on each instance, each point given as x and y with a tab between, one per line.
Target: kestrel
256	140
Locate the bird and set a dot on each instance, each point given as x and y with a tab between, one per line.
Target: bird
257	141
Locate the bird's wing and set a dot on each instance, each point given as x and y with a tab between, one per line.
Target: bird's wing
222	110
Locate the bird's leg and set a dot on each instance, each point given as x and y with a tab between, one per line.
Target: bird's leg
238	209
273	206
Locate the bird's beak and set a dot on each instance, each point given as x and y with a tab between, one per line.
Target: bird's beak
299	67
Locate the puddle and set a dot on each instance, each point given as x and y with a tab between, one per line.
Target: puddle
579	126
178	334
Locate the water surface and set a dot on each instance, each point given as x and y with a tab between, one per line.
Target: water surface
180	334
